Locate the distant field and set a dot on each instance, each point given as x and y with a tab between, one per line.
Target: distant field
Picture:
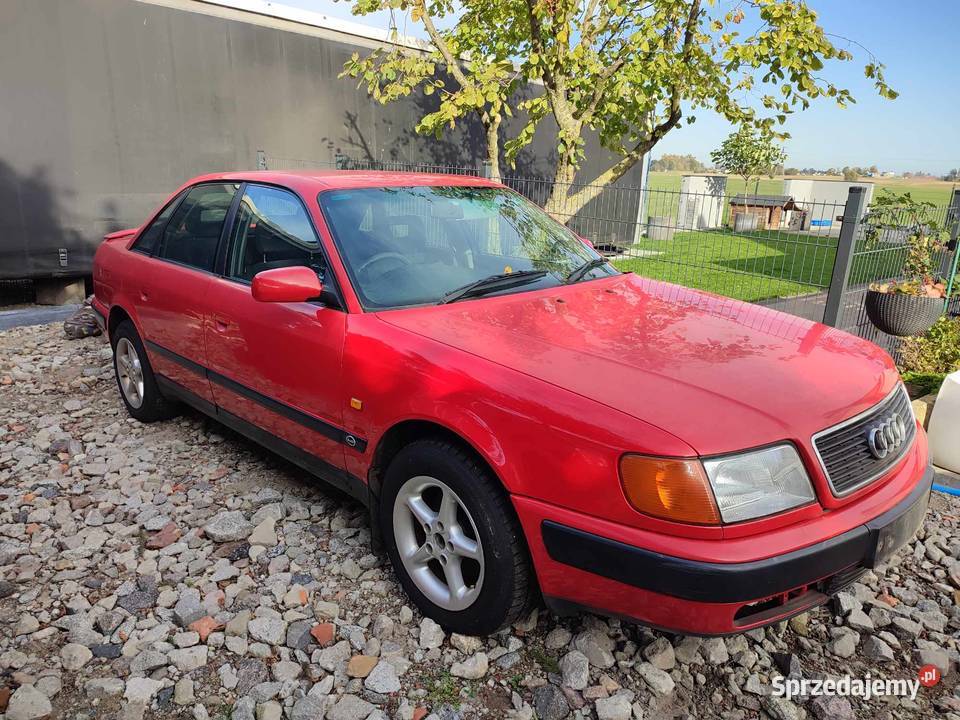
935	191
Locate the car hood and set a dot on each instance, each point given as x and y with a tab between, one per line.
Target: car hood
720	374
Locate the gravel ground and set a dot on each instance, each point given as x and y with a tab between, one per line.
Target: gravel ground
175	570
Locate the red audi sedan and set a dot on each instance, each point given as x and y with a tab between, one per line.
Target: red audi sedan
522	419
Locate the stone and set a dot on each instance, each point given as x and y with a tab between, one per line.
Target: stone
102	688
270	710
250	672
557	638
382	679
188	659
75	656
617	707
550	703
183	692
843	646
141	689
188	608
166	536
431	634
575	669
268	629
307	708
466	644
655	678
227	526
660	654
597	646
265	533
350	707
147	661
361	665
832	707
714	651
473	668
204	626
323	633
295	597
244	709
286	671
860	621
780	708
876	649
28	703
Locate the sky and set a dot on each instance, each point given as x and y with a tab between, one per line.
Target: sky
920	130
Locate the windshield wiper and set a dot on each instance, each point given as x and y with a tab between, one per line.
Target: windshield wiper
589	265
491	284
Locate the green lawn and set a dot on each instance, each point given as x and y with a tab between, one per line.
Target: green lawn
935	191
752	266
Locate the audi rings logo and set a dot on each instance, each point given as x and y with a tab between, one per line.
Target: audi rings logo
886	437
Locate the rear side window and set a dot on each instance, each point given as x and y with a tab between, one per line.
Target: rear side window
272	230
192	235
149	240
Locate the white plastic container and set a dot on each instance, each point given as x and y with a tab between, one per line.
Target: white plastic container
944	428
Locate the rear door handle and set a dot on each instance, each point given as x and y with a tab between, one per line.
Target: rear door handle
220	324
144	295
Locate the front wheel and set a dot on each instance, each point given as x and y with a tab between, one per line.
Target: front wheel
453	539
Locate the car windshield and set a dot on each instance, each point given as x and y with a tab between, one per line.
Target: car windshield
419	245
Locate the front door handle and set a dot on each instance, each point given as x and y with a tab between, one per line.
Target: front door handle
144	296
220	324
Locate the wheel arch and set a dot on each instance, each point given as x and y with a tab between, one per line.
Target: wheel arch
117	315
404	432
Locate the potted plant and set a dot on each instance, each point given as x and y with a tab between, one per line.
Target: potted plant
909	305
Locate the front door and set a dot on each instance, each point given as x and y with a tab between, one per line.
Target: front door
276	365
171	293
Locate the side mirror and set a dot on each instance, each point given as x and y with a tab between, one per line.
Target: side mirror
288	284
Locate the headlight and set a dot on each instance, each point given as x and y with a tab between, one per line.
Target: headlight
759	483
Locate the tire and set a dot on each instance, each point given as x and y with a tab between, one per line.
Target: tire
498	590
153	405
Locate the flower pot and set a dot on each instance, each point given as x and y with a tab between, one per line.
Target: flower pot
902	315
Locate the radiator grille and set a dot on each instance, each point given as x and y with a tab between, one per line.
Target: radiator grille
844	449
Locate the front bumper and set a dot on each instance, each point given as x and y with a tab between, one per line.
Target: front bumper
710	598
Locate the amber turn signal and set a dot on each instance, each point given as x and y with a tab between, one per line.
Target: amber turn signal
669	488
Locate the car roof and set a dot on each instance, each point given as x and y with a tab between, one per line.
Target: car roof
308	181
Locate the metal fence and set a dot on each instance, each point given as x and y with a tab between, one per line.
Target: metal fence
811	259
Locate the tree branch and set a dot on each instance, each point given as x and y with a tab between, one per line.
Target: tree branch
452	63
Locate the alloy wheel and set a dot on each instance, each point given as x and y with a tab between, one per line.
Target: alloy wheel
438	543
129	372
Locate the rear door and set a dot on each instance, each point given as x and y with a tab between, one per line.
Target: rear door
171	295
277	365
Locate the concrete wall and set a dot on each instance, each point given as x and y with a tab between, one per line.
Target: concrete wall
110	104
823	191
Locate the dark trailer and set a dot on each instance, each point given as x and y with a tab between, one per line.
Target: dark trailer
111	104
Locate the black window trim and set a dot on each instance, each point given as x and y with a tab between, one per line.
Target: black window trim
331	298
173	204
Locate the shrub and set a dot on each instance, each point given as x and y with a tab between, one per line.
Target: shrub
936	352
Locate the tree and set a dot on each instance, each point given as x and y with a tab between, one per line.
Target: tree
748	153
480	76
625	70
851	174
669	162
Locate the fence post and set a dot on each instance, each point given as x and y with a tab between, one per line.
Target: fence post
261	160
953	219
852	212
486	169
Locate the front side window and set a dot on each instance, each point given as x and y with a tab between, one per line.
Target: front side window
192	235
272	230
418	245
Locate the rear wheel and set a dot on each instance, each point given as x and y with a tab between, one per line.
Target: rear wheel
453	539
135	378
